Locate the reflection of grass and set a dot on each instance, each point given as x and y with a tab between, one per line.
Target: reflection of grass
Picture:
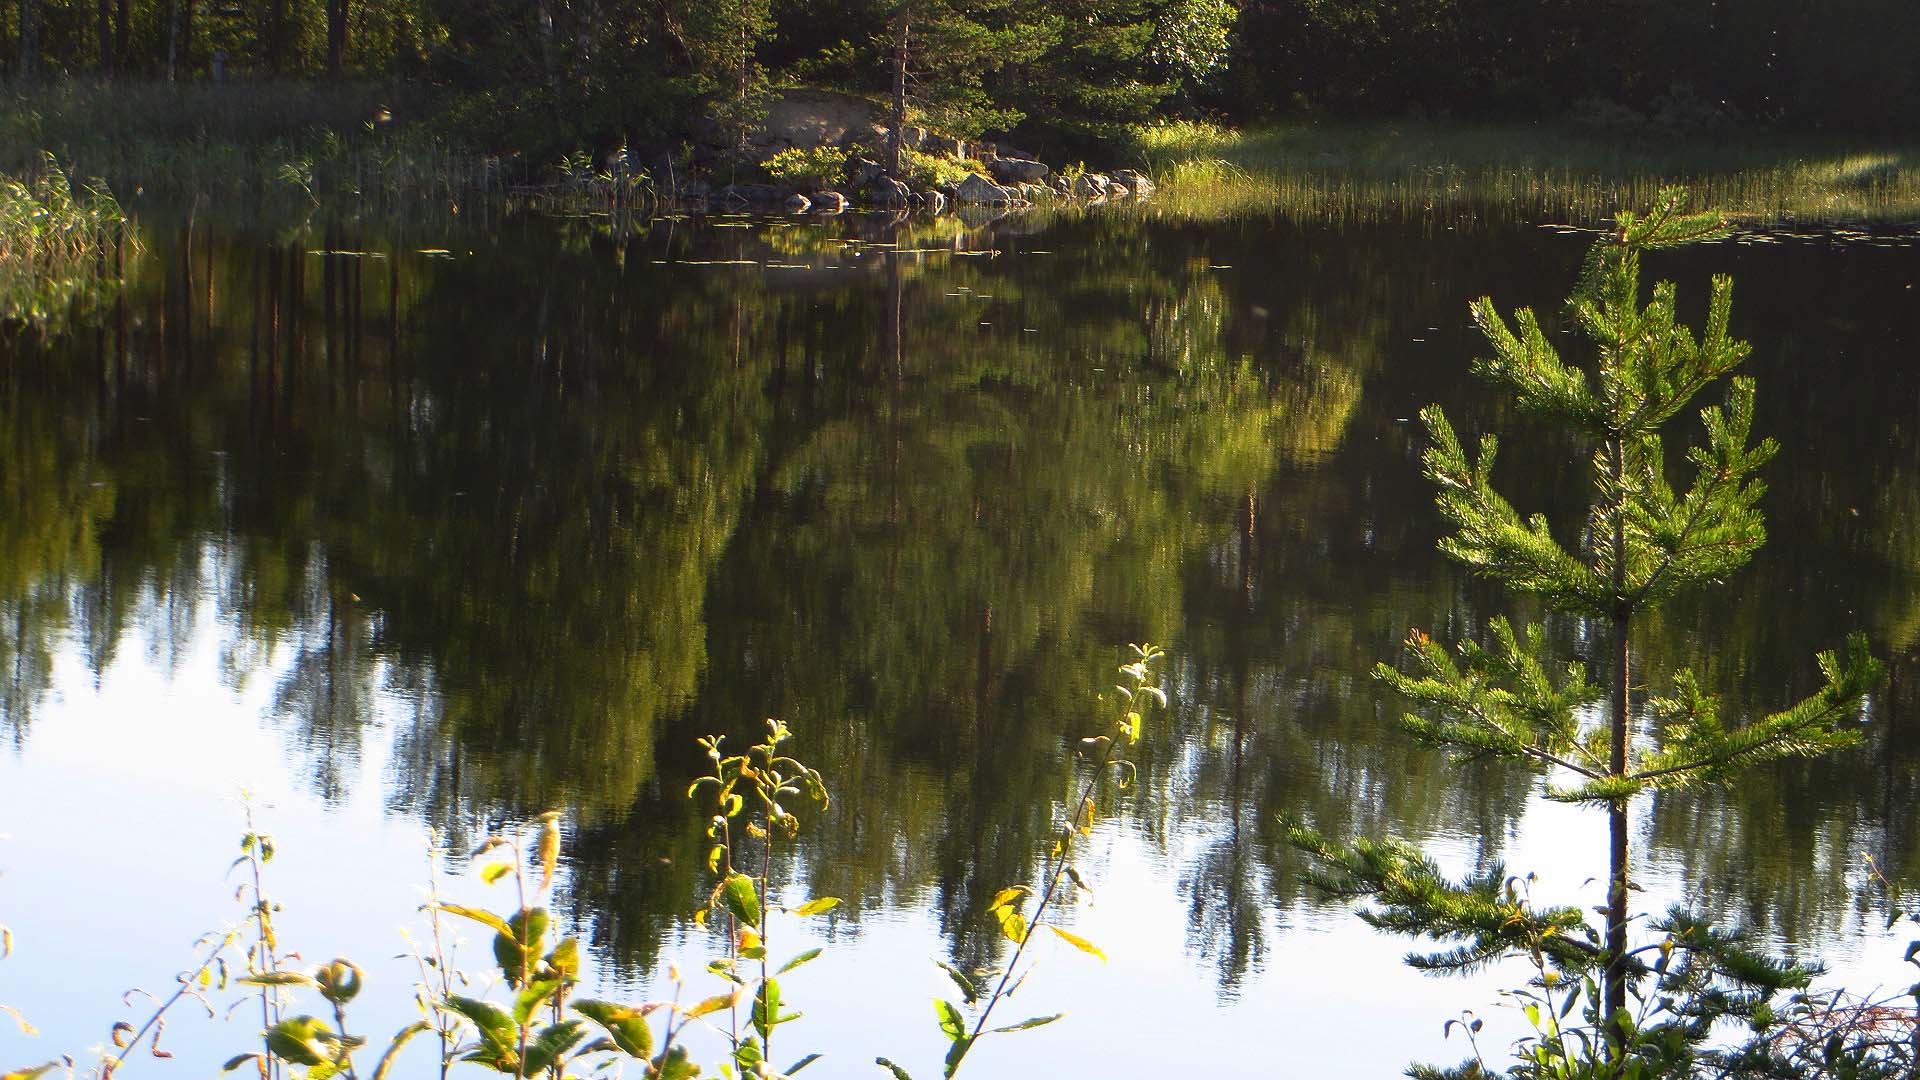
55	244
1583	173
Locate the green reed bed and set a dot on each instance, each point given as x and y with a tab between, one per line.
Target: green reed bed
1578	172
61	244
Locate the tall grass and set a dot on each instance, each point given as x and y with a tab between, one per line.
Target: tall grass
60	245
289	139
1578	173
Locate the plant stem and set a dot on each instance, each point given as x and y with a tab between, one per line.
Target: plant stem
186	984
766	939
1058	868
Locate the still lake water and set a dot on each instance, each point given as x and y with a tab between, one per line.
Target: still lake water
439	526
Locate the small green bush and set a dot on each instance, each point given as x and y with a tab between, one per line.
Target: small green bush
807	170
930	170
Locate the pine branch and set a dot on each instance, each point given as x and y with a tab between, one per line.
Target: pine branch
1717	526
1486	913
1696	746
1492	539
1528	365
1499	702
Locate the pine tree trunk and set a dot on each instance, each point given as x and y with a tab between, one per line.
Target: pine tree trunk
897	124
1617	879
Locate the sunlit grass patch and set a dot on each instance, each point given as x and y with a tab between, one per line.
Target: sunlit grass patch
58	242
1576	173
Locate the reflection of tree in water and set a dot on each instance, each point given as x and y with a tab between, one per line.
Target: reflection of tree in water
550	514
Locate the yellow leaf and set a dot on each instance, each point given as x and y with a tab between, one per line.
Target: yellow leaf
713	1005
549	846
1007	896
1079	942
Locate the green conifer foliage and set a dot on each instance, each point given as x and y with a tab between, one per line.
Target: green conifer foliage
1642	542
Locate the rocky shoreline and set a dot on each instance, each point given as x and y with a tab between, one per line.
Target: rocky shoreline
1015	182
847	133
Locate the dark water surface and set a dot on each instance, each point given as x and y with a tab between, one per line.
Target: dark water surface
401	527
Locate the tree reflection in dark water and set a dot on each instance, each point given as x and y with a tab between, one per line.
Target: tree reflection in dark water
569	498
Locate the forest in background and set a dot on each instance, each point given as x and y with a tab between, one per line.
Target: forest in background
548	77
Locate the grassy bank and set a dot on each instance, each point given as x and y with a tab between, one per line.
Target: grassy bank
287	139
1572	173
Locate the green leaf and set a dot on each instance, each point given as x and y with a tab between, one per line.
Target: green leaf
672	1064
1033	1022
898	1072
528	1001
496	1028
817	906
742	899
340	981
393	1048
553	1040
233	1063
797	961
493	872
281	978
1079	942
516	947
802	1063
954	1053
967	988
484	918
628	1026
301	1040
952	1020
766	1007
565	959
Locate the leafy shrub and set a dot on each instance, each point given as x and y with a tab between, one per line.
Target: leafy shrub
807	170
930	170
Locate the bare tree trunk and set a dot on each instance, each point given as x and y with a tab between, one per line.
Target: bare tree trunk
547	49
745	74
105	11
897	123
122	24
336	35
173	37
29	39
276	36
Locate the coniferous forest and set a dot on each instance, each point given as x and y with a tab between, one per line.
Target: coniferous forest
547	76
